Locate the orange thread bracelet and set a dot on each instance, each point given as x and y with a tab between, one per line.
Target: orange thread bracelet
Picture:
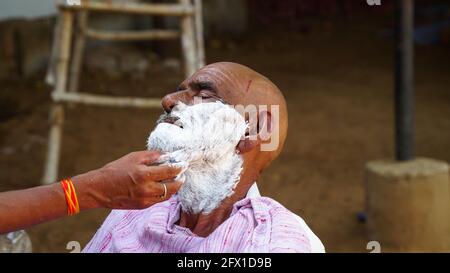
71	197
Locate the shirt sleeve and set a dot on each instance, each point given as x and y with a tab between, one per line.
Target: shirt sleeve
287	234
316	244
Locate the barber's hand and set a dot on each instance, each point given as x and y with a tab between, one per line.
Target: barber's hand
131	182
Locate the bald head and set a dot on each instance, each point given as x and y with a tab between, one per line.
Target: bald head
237	84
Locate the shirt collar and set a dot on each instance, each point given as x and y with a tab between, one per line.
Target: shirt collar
253	191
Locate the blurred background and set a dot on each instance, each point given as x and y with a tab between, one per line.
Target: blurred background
333	60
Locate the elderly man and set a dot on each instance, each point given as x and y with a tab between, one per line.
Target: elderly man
218	208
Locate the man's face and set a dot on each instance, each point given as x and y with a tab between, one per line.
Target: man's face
231	84
207	129
225	82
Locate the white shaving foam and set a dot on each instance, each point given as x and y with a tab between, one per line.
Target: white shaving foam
205	149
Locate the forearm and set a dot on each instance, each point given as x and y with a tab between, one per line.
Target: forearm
131	182
23	208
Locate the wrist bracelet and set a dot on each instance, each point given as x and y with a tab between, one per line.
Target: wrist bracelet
71	197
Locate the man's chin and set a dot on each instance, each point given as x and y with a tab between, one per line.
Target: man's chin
166	139
195	199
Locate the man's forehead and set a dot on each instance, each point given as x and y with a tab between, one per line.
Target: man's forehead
204	77
222	79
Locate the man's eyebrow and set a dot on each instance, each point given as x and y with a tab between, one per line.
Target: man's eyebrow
203	85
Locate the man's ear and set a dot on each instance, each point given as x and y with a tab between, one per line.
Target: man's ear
246	145
265	125
263	129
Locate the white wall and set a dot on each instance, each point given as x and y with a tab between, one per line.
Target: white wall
26	8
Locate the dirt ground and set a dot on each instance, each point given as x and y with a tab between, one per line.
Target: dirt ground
338	82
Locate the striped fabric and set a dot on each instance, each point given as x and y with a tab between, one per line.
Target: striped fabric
256	224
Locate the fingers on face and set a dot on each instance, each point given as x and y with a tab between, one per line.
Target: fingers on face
172	187
148	157
167	189
159	191
162	172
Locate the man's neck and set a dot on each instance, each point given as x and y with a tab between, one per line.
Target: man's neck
204	224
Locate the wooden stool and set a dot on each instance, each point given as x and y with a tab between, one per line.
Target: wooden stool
65	82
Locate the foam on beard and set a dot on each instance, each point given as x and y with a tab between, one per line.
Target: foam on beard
204	146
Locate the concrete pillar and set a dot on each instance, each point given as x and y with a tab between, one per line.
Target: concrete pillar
408	205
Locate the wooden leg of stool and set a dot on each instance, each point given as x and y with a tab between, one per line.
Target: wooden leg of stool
57	110
78	51
188	42
199	33
54	144
50	77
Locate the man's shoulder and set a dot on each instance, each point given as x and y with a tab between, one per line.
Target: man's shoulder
276	211
289	230
263	204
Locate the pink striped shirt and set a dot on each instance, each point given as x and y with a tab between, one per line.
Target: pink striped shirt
256	224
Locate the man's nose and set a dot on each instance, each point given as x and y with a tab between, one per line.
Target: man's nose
170	100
